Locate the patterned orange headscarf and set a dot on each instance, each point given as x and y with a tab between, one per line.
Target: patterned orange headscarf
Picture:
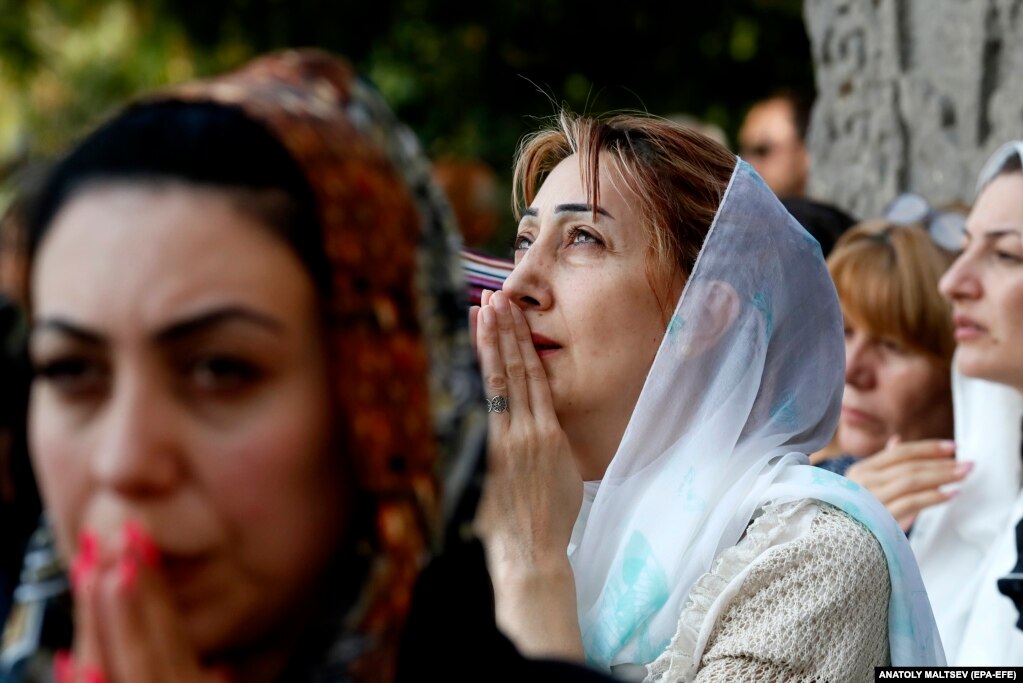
404	378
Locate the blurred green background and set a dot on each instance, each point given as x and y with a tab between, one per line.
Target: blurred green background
470	78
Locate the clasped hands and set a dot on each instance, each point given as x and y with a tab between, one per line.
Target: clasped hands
533	491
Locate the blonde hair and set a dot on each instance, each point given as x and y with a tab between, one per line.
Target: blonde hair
887	277
677	175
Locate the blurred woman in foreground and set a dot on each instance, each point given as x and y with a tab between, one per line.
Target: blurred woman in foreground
236	289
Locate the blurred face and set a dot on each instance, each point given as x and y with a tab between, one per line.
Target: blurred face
985	285
890	390
582	284
181	383
769	141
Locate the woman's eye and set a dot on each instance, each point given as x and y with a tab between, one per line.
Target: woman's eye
72	376
522	242
892	346
223	373
1008	257
580	236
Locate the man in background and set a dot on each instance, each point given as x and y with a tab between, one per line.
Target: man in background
772	139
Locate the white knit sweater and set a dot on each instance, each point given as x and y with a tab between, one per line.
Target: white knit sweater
802	597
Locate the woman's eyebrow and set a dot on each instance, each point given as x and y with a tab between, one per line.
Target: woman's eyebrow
173	332
581	208
215	318
1001	232
68	328
531	212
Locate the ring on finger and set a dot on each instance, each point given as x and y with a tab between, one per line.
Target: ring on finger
497	404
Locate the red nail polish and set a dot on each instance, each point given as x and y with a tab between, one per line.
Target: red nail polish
85	559
63	667
88	544
138	541
93	675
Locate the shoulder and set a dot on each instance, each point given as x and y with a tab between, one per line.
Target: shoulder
833	550
803	595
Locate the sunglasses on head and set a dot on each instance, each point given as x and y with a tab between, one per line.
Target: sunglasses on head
945	227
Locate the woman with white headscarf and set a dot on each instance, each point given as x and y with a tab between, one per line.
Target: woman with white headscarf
664	354
967	544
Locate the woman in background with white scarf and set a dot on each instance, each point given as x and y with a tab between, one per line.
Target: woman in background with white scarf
670	337
966	545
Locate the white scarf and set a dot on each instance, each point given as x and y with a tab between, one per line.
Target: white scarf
748	379
967	544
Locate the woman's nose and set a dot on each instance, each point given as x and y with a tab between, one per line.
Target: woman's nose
137	451
960	281
860	370
529	282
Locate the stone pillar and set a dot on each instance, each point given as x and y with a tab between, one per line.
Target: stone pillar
911	95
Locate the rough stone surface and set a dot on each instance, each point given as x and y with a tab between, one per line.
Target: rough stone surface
912	95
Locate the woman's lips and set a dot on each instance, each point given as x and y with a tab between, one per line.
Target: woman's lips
856	417
544	345
967	329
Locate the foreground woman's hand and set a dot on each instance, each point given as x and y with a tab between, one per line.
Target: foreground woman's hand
127	628
907	477
533	490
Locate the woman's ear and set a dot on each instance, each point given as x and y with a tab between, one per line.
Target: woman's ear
718	306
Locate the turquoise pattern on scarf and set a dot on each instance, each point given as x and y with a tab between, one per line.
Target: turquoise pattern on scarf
692	501
762	304
784	410
634	592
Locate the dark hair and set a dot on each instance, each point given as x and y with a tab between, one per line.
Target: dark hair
801	104
203	144
678	177
824	222
19	498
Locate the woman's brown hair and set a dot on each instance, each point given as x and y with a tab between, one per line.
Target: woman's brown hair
677	175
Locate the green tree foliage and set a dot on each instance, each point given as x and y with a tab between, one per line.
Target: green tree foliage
470	78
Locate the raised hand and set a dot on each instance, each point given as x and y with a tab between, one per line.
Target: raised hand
907	477
127	628
533	490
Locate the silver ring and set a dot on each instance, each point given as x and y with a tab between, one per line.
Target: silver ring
498	404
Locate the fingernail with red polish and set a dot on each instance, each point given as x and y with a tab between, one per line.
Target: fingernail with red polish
138	541
63	667
93	675
85	559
